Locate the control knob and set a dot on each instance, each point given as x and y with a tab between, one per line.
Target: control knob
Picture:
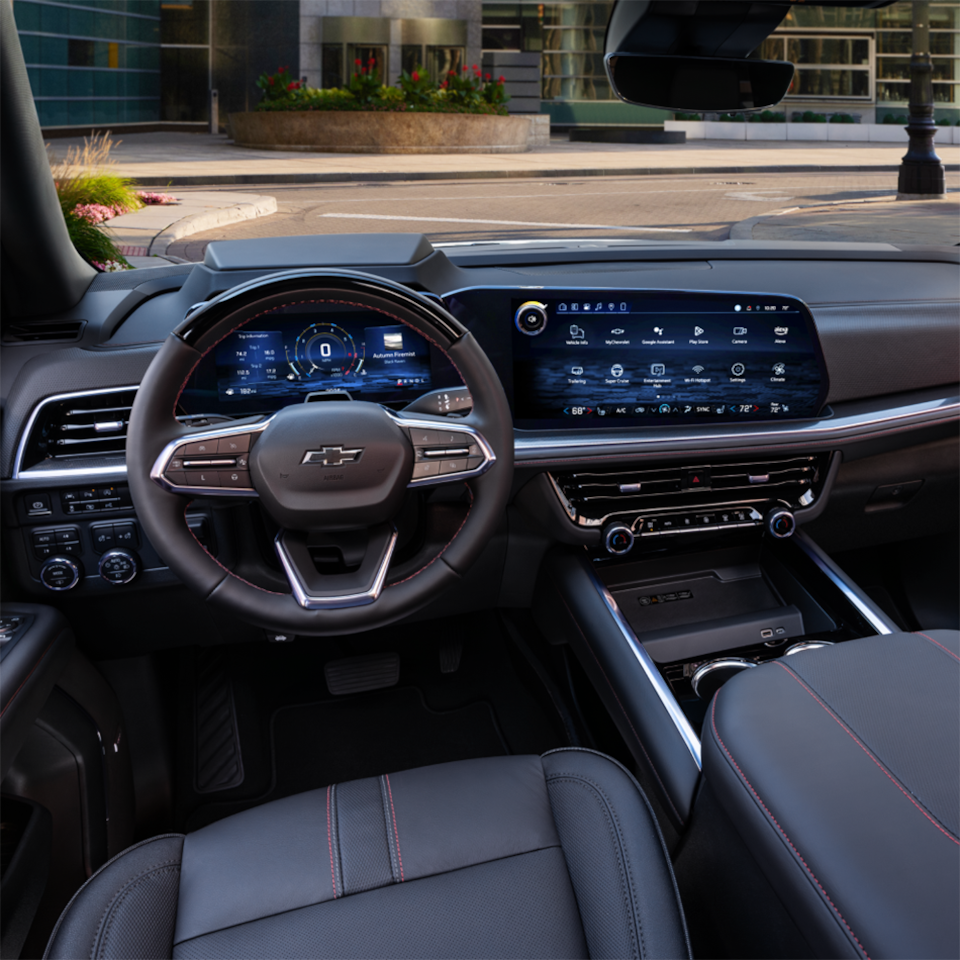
780	523
118	567
60	573
618	539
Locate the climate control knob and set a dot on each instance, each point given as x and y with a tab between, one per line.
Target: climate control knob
618	539
118	567
780	523
60	573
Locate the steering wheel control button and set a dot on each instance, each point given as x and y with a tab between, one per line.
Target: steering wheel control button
236	478
118	567
424	438
202	478
233	445
531	318
453	466
60	573
427	468
201	448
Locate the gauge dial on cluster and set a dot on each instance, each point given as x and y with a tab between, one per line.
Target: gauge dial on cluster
326	350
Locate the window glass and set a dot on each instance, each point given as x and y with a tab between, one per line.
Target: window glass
831	83
331	71
844	50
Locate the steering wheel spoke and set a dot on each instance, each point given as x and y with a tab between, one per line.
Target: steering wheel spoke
210	463
445	451
331	591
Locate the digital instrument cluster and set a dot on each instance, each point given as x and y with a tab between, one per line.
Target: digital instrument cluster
309	349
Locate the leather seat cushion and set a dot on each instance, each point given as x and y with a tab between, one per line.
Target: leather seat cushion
840	769
556	856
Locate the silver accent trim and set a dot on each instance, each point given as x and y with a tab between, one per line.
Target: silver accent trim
160	464
608	536
70	563
80	473
123	553
309	602
660	686
338	455
453	426
706	669
807	645
864	605
772	518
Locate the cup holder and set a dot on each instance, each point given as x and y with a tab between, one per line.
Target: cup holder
710	677
807	645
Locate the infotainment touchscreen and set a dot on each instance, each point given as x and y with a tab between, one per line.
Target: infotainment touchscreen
624	357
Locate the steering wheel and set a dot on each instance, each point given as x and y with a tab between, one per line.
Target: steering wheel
321	471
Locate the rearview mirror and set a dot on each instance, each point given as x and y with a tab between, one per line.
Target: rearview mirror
698	84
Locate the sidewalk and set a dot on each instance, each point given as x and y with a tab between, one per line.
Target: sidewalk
145	234
167	160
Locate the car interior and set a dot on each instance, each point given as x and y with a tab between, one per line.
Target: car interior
369	597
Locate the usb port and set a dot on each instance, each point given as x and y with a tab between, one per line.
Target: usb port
766	634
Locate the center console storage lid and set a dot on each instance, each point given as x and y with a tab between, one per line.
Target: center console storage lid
840	769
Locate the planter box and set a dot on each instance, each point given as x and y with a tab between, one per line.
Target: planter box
715	130
806	131
332	131
766	131
840	132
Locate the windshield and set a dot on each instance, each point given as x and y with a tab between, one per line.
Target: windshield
171	125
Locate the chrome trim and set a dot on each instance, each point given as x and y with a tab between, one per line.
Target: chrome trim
706	669
565	503
160	464
135	565
67	561
807	645
309	602
454	426
660	686
772	518
828	430
28	429
864	605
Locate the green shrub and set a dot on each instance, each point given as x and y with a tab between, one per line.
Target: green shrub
842	118
687	116
943	122
276	86
810	117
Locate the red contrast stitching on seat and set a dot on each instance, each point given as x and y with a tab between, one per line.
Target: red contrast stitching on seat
333	876
782	832
865	749
940	645
393	814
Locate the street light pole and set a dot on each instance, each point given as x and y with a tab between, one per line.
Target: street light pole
921	172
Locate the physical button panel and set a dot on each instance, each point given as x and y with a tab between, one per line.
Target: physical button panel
50	541
218	462
698	522
89	500
105	536
439	453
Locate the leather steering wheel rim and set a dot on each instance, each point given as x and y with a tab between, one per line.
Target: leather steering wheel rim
153	427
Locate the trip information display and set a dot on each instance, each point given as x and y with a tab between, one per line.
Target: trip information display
309	348
625	357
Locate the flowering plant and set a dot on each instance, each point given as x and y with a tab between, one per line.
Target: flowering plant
418	89
148	196
279	85
365	82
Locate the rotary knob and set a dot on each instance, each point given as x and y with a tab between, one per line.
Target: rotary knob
60	573
780	523
118	567
618	539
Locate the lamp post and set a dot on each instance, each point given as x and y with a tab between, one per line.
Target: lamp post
921	172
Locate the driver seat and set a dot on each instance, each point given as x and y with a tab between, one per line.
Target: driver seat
521	856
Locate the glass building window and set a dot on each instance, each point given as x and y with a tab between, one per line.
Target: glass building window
332	65
828	66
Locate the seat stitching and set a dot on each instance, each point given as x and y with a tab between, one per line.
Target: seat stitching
106	916
940	645
613	825
333	875
393	813
636	735
388	834
869	753
780	830
337	851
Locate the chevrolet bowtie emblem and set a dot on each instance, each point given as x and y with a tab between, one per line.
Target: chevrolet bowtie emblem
332	456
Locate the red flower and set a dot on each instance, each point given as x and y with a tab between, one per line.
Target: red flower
453	73
444	84
295	85
270	80
415	76
500	80
487	77
358	62
474	66
464	68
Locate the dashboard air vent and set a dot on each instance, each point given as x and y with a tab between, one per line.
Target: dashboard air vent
50	331
594	495
79	426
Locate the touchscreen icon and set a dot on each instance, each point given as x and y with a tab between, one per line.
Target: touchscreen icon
658	331
562	306
393	341
576	332
739	331
577	371
779	369
698	331
616	370
617	331
657	369
781	331
698	369
738	369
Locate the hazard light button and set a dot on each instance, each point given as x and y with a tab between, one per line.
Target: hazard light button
696	479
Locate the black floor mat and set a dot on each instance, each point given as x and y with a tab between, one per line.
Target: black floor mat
333	741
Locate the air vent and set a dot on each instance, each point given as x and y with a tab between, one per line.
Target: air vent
595	495
49	331
79	426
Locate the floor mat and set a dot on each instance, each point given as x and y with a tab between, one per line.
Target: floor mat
332	741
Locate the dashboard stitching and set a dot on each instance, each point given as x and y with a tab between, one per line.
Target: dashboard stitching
416	573
940	645
780	830
867	751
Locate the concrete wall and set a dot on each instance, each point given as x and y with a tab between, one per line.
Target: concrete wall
312	13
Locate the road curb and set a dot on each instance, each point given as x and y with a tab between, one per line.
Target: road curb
551	173
208	220
744	229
